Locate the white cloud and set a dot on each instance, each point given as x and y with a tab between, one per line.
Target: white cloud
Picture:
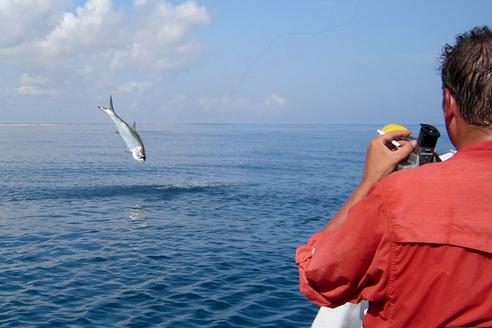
138	3
31	85
272	102
224	104
99	42
79	32
25	20
27	90
33	90
135	86
275	101
179	100
26	78
161	41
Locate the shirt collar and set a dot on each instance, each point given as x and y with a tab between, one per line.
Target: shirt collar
481	146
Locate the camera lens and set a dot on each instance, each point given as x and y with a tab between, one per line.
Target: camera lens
428	136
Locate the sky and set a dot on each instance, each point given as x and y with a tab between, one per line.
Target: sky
228	61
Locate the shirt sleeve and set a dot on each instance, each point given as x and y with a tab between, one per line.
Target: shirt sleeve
350	263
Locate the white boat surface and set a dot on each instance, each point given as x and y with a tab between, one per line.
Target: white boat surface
345	316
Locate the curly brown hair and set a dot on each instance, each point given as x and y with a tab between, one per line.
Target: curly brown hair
466	70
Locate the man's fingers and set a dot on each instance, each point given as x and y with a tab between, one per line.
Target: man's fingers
396	135
407	147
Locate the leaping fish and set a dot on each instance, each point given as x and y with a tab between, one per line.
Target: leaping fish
129	134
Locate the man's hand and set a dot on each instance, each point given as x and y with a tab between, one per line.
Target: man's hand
382	157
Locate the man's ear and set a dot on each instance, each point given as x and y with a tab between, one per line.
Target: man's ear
450	107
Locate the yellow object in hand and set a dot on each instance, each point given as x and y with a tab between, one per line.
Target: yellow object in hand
392	127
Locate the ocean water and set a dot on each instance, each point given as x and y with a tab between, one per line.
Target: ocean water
203	234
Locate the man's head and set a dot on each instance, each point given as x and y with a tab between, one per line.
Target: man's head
466	72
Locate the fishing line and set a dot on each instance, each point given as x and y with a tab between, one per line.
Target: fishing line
248	69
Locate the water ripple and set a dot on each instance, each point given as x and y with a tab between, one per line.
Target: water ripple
162	191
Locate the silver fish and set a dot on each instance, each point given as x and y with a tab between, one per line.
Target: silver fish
129	134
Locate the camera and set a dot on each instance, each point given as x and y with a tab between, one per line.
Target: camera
424	150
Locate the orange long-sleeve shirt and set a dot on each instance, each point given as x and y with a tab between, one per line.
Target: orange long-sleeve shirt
418	247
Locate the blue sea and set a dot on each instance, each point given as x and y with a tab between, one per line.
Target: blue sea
203	234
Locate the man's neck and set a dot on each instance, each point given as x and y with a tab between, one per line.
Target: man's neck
471	135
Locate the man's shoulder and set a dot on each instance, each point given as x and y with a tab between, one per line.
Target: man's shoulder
413	176
402	190
467	164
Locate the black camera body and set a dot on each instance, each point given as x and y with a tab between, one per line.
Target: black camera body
424	150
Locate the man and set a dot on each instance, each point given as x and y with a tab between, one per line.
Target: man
417	243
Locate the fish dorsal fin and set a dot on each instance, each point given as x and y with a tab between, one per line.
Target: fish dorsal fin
134	126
